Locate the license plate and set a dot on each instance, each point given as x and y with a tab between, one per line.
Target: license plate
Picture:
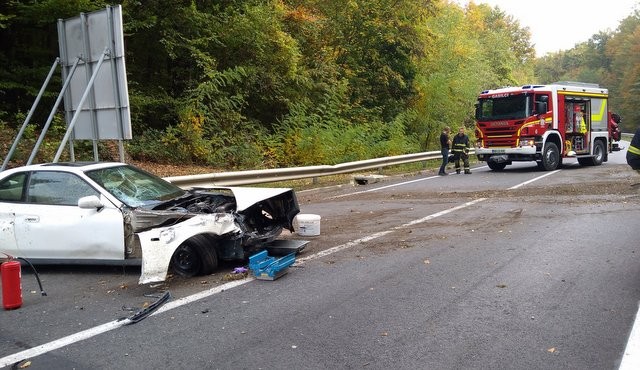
497	151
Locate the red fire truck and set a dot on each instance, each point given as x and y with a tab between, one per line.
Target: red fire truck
543	123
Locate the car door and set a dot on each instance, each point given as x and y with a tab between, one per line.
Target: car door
48	224
11	193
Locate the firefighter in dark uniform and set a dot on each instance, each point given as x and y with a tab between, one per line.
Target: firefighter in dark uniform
633	153
460	150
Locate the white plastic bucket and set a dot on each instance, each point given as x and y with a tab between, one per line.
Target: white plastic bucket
308	224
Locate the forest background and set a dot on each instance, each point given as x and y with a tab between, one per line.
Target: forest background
250	84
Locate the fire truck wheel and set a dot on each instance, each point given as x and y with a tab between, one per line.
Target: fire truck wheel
496	166
550	157
598	155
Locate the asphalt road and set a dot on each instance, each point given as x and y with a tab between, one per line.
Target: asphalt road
484	271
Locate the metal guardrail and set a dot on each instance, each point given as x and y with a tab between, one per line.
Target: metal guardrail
285	174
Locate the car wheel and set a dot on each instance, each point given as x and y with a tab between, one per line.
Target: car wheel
195	256
208	256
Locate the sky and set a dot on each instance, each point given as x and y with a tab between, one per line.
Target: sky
561	24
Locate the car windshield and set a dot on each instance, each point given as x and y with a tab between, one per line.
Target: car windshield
134	187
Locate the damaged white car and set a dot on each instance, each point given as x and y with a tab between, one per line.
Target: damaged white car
106	213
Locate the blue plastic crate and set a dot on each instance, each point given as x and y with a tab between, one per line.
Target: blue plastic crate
270	268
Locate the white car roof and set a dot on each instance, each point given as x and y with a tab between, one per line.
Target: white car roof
75	167
245	196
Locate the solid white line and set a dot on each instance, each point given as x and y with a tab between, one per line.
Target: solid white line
62	342
86	334
96	330
392	186
441	213
204	294
383	233
338	248
384	187
534	179
631	358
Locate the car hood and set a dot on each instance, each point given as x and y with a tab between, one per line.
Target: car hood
277	205
255	208
247	197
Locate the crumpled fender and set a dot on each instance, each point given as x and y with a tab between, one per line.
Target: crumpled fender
159	244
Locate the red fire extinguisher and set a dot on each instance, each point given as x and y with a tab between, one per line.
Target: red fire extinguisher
11	284
11	277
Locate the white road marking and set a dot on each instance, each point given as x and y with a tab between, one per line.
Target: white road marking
384	187
631	359
534	179
401	184
97	330
59	343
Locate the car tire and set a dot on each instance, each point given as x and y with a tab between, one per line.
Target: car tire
208	256
196	256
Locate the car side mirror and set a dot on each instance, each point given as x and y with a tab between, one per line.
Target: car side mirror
90	202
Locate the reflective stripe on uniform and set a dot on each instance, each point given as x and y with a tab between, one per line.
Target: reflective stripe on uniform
458	147
634	150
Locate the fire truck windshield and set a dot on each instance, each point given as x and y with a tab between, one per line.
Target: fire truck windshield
504	107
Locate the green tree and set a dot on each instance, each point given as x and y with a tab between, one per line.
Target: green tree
623	77
470	50
252	83
375	44
28	32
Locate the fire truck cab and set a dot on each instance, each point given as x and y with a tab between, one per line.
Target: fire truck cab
543	123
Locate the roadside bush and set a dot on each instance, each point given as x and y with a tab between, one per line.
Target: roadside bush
48	148
308	138
150	147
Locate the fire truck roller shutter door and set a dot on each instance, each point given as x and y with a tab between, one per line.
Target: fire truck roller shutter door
599	114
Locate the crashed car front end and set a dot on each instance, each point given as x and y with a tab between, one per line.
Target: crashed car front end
159	244
237	222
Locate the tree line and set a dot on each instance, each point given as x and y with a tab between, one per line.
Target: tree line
240	84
